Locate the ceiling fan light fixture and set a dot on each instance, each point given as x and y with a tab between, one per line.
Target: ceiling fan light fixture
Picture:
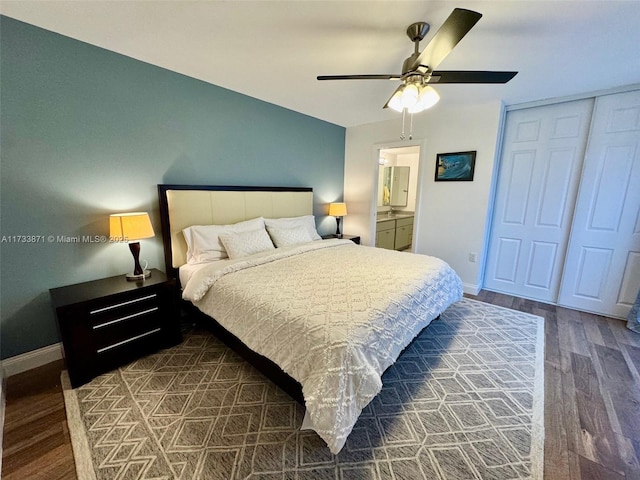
413	97
427	99
410	96
395	102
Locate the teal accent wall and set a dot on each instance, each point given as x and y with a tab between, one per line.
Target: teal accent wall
86	132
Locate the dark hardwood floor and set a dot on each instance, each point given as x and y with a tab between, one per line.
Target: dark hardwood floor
36	442
592	392
592	403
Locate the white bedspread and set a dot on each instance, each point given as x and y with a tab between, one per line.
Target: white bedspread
331	314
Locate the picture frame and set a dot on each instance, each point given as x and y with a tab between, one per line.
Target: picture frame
455	167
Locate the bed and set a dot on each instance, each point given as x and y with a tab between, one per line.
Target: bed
322	318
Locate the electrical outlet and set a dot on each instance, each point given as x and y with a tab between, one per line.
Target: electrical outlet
473	257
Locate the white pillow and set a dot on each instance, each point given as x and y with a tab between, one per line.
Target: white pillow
203	242
307	221
246	243
289	236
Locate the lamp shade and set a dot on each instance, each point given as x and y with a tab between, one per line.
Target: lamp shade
337	209
130	226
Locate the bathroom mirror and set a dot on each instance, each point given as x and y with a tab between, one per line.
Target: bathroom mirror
395	186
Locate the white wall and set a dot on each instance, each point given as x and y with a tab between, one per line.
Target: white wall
451	216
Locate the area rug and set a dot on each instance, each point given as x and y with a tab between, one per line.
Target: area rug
463	401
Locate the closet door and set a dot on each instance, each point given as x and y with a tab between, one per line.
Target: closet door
538	177
602	271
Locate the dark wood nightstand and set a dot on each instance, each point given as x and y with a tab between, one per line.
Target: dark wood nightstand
110	322
354	238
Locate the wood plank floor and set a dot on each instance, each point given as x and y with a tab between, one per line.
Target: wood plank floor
592	403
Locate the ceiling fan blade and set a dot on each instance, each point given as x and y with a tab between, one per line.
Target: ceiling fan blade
455	27
360	77
466	76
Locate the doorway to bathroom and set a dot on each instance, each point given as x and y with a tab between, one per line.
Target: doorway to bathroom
396	198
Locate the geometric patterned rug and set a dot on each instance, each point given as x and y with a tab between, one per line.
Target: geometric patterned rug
463	401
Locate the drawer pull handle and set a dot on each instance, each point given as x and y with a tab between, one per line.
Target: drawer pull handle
122	319
132	339
111	307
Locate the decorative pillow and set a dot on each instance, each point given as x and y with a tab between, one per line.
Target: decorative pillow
289	236
246	243
307	221
203	242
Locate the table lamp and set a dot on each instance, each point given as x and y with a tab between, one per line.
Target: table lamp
338	210
131	227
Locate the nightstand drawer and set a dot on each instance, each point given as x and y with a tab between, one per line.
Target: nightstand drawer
101	313
131	349
124	329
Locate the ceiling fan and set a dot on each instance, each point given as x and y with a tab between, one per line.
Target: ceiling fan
415	94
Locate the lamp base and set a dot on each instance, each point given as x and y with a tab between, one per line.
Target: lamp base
132	277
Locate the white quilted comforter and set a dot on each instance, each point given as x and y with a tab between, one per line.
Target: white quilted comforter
331	314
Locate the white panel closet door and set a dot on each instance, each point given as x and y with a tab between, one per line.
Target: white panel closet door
543	148
602	268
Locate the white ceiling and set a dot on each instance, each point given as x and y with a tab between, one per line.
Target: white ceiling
273	50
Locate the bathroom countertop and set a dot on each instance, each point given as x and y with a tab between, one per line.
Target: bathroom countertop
381	217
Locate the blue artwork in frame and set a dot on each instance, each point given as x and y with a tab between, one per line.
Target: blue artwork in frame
458	166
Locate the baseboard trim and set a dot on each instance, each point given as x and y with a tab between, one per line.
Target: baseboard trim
33	359
471	289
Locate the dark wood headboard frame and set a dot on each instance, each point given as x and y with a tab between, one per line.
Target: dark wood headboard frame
164	211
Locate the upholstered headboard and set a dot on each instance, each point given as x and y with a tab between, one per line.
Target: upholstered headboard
184	205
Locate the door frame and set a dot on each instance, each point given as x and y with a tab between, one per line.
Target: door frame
491	204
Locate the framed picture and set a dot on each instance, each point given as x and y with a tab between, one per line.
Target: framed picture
455	167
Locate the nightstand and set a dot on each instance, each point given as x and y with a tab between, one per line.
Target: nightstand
354	238
110	322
